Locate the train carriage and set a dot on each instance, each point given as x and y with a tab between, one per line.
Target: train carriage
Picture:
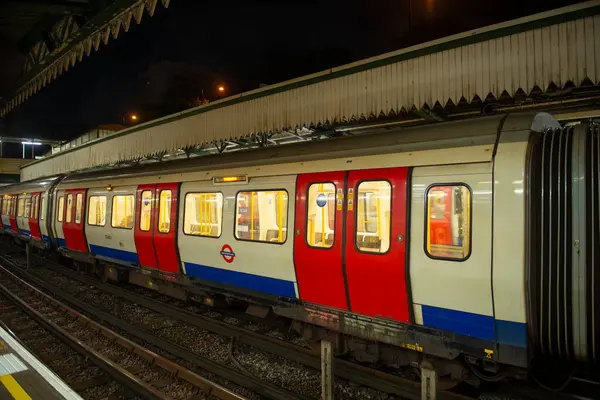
24	210
420	240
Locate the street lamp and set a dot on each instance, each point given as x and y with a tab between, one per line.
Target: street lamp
133	117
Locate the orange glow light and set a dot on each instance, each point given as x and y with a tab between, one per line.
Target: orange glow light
221	88
134	117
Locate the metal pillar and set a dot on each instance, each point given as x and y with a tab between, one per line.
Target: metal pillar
428	381
326	370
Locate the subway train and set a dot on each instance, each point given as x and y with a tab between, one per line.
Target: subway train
473	244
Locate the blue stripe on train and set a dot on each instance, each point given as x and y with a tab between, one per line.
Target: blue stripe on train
61	242
25	232
7	227
46	238
259	283
476	325
116	254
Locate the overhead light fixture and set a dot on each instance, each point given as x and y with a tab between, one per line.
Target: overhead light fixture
32	143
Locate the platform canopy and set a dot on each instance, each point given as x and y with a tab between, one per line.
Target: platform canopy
545	60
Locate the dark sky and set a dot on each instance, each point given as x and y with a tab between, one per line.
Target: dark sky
195	45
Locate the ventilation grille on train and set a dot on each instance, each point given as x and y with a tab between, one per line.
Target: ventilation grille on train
563	243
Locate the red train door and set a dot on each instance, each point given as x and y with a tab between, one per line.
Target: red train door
376	243
318	239
145	220
73	223
156	226
350	241
165	228
34	224
13	214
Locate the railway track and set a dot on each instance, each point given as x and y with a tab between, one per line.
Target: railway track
95	360
380	381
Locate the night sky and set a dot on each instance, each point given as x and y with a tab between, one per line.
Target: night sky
164	64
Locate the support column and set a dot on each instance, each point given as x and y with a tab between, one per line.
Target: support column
326	370
428	381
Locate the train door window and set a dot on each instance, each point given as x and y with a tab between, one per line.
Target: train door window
4	206
43	210
97	211
262	216
146	210
13	203
123	211
78	207
448	224
35	207
320	229
61	208
373	212
69	216
21	207
203	214
27	210
164	212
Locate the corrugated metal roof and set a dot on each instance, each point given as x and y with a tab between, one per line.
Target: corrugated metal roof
543	51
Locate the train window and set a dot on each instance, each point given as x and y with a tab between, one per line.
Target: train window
43	210
97	210
146	210
13	206
320	228
164	212
20	207
203	214
262	216
373	222
61	208
448	224
4	206
69	216
123	211
78	207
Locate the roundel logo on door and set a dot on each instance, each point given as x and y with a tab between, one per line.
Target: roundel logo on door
227	253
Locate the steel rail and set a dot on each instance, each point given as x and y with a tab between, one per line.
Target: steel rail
264	389
114	370
368	377
111	368
350	371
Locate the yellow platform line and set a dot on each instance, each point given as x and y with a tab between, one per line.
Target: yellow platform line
14	388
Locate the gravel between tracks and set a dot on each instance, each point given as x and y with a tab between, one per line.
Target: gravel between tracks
264	366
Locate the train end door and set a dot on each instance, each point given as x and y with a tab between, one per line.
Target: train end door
73	223
144	222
